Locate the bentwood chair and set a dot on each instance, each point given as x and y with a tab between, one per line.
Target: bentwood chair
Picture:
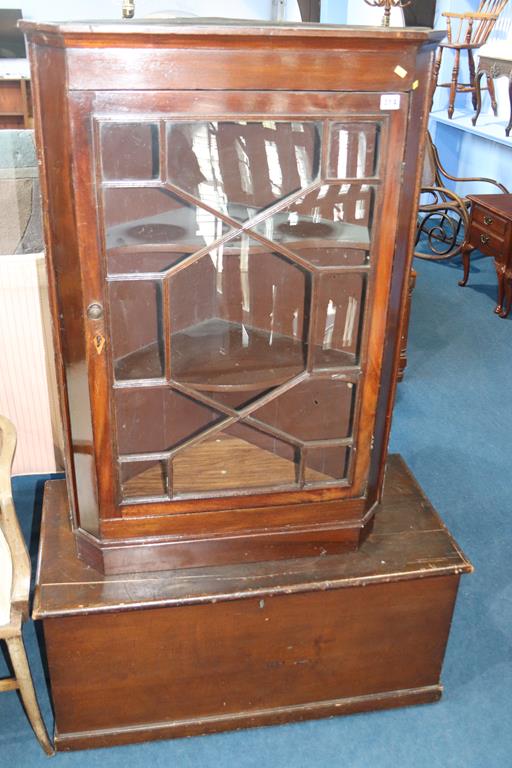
468	32
14	589
443	215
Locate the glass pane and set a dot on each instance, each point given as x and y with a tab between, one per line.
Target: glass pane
136	329
239	457
339	309
138	216
353	150
241	167
143	479
334	257
315	409
129	151
326	464
157	419
239	318
330	224
132	261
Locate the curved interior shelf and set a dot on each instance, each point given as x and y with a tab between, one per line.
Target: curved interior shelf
221	355
218	355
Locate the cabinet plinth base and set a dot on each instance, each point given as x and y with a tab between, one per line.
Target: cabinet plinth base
200	650
166	552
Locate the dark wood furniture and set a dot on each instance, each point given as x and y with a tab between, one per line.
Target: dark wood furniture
15	103
467	31
229	271
149	656
490	231
404	338
492	67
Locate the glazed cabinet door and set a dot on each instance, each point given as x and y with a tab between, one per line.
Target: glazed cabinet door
241	264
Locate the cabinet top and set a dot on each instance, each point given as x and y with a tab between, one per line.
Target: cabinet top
199	27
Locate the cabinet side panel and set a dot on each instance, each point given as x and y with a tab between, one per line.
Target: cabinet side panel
48	67
413	164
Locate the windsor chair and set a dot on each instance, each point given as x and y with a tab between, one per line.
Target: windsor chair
468	32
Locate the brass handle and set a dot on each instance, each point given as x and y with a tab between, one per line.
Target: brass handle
484	239
487	220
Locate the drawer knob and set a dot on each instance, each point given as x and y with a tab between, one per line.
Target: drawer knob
95	311
484	239
487	220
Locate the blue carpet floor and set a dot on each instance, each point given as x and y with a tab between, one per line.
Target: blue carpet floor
453	425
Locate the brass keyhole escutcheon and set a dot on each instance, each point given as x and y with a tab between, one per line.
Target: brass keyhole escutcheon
487	220
484	239
99	342
95	311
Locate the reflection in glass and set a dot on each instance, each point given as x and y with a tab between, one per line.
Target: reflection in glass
239	168
315	409
353	150
326	464
143	479
239	457
133	261
239	318
137	216
158	419
136	329
129	151
337	331
332	219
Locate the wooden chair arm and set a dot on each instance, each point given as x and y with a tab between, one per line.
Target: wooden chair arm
469	15
464	179
9	522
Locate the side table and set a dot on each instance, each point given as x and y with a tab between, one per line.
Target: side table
490	230
492	67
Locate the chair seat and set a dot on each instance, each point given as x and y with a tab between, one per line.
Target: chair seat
5	581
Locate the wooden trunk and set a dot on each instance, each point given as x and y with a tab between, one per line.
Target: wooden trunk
229	218
194	651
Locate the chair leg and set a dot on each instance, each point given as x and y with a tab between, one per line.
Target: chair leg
28	695
453	85
437	64
471	62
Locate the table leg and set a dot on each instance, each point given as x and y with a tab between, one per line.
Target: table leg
508	297
500	274
492	94
478	93
466	251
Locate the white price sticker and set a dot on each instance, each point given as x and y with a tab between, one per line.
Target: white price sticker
390	101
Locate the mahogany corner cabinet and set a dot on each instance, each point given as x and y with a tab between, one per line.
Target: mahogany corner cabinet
229	211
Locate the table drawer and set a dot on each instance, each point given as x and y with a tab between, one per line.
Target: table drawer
495	225
480	237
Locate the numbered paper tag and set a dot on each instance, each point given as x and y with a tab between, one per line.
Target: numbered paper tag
390	101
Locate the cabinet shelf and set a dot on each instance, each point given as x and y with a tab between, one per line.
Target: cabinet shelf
217	355
219	464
